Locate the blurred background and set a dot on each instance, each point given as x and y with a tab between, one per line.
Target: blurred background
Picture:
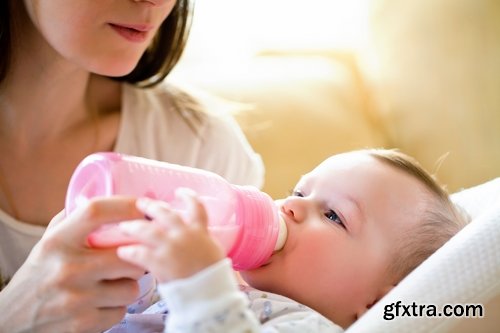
308	79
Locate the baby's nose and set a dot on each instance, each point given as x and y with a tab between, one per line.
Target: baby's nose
295	208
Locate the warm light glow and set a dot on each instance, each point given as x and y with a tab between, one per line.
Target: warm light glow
229	29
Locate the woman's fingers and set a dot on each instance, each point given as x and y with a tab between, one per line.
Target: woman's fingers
105	264
57	219
109	293
106	317
85	219
74	287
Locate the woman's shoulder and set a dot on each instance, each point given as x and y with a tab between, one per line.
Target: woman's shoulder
168	101
190	128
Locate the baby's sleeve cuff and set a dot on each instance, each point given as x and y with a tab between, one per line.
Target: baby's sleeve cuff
198	292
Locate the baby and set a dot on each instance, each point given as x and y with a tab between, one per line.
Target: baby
357	224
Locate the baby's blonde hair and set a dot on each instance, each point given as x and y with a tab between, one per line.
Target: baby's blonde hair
440	220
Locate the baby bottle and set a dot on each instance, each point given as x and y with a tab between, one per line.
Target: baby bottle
243	219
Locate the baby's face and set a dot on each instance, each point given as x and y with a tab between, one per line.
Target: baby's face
343	220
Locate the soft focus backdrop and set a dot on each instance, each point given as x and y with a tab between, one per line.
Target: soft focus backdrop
318	77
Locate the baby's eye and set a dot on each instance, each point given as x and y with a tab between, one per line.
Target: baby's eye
332	216
297	193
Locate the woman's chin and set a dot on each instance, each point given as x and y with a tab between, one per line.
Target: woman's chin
114	68
114	72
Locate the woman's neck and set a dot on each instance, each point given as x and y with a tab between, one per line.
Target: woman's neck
45	96
37	108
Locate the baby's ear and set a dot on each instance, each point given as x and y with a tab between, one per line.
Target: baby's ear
382	292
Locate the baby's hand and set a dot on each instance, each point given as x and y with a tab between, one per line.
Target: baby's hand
170	247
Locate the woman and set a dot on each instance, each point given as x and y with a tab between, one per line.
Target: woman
70	79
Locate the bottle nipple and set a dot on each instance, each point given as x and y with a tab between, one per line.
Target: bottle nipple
282	235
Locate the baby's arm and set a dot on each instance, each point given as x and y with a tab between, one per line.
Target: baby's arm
210	301
169	247
198	285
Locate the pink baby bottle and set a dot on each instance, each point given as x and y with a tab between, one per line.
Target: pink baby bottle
243	219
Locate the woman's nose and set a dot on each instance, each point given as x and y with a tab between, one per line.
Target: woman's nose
295	208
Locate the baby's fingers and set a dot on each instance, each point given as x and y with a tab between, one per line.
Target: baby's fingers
160	212
144	232
197	215
137	254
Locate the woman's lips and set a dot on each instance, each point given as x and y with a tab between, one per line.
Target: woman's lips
132	32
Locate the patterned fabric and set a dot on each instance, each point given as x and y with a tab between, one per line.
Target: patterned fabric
211	301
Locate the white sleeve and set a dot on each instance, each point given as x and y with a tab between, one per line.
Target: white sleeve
226	151
211	301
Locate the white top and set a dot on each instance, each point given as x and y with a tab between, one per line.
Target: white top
155	124
210	301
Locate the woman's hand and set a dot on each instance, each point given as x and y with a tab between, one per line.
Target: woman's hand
65	286
171	247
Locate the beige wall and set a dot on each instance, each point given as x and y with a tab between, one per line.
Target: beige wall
312	109
296	109
434	71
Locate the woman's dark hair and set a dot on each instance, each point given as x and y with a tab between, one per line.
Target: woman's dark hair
5	39
155	63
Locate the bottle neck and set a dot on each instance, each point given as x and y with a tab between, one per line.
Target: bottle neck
257	215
